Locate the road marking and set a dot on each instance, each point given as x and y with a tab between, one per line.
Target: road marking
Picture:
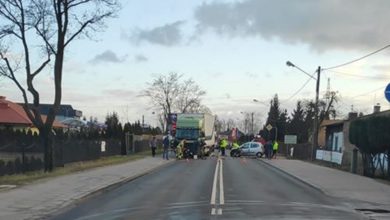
218	176
214	190
215	211
221	194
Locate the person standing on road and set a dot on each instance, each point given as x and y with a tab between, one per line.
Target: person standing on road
179	149
166	147
153	145
235	149
268	147
275	148
223	146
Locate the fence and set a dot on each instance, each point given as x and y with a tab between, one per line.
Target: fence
296	151
20	152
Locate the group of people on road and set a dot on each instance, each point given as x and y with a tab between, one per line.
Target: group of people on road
270	147
166	144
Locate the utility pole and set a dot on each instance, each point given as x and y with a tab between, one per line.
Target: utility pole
315	127
253	132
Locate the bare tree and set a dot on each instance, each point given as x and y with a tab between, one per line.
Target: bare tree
170	94
39	31
189	97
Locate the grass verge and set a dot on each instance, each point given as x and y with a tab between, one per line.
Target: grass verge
29	177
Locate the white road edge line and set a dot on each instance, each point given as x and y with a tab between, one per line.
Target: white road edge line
221	194
214	190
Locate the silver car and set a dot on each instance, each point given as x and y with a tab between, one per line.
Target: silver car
252	149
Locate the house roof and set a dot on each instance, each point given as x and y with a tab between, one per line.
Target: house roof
14	114
331	122
63	110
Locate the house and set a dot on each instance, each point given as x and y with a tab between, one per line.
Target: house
64	112
334	140
12	115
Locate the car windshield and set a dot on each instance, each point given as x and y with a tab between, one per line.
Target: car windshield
194	109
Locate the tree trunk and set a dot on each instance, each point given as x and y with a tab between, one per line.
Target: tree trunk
47	141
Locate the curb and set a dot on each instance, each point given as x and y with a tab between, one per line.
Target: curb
297	178
102	190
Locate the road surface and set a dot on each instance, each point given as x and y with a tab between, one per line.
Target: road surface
230	188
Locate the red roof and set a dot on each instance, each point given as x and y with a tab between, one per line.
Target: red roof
12	113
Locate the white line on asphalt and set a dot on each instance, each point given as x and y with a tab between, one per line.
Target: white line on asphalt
221	194
214	190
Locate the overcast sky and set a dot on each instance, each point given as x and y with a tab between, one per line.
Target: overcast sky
235	50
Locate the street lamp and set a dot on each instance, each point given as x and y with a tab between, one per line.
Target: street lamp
261	102
315	129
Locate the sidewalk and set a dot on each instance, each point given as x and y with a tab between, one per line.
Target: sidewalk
39	199
335	182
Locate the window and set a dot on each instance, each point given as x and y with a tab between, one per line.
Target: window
245	145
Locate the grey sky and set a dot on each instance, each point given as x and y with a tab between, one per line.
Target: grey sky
107	56
166	35
324	24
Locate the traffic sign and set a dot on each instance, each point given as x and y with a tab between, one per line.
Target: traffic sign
387	92
290	139
269	127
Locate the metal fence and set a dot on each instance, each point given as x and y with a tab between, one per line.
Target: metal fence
20	152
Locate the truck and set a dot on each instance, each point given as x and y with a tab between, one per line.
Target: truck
198	132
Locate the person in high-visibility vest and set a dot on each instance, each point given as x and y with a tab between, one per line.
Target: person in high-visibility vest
179	149
275	148
223	146
234	152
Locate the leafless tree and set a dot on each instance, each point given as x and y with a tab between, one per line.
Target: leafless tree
170	94
189	97
36	33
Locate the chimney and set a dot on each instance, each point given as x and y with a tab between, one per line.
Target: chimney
352	115
377	108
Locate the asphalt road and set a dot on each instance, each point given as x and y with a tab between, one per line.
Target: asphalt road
197	189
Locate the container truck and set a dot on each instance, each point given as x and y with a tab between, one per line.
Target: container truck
198	132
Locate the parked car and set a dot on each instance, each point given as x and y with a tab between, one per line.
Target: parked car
250	149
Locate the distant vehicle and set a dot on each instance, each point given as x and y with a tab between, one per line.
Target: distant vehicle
198	131
250	149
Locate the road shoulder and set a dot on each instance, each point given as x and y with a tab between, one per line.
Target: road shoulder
334	182
38	200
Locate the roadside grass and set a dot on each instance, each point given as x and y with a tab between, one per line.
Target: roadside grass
29	177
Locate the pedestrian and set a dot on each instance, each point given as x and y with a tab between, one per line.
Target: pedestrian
179	149
268	147
166	147
223	146
235	152
275	148
153	145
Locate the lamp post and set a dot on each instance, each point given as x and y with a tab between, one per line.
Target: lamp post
315	124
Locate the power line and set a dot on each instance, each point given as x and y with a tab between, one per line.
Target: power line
363	94
302	87
355	75
355	60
